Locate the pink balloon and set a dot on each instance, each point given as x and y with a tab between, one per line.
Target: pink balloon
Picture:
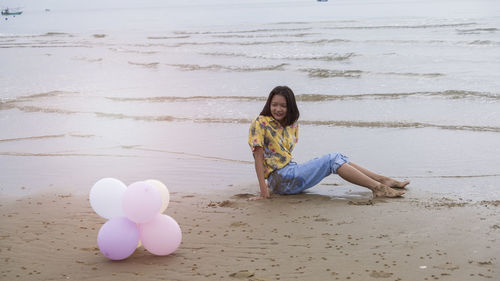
118	238
141	202
161	236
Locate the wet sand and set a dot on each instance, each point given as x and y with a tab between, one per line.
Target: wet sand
52	236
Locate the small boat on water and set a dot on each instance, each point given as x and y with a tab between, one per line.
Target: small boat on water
11	12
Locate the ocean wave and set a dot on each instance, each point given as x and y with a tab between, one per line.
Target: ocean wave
411	74
88	59
245	31
37	96
168	37
216	67
144	64
251	43
314	22
404	125
139	117
416	26
332	123
33	138
30	108
56	34
186	99
47	34
477	30
448	94
333	57
328	73
29	154
29	45
263	35
47	137
483	42
132	51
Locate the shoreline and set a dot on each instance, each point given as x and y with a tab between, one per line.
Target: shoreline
52	236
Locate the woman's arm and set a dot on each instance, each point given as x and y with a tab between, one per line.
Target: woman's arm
258	155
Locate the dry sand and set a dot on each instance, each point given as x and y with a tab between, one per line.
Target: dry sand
52	236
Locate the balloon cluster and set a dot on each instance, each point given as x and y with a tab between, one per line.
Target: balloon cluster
134	216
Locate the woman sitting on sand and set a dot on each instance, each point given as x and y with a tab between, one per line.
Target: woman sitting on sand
272	137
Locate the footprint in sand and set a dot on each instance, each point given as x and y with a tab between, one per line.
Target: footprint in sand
242	274
380	274
238	224
242	196
225	204
447	266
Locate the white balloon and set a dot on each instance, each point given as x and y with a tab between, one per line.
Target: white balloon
106	198
165	195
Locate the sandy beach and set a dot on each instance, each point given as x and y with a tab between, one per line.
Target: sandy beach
52	236
164	89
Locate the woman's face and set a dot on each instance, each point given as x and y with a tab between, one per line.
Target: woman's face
278	107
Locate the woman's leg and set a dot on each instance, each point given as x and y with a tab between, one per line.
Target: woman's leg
353	175
381	179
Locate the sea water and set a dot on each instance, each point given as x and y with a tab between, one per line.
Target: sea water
167	90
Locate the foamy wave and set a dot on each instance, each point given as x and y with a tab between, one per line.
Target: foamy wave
148	65
411	74
37	96
29	154
168	37
186	99
46	137
334	57
88	59
245	31
138	118
33	138
416	26
404	125
39	46
57	34
477	30
449	94
47	34
327	73
251	43
483	42
216	67
120	50
333	123
263	35
29	108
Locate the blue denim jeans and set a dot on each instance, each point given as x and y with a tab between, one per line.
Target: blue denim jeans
295	178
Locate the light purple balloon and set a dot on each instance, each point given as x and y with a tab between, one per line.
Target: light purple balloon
161	236
141	202
118	238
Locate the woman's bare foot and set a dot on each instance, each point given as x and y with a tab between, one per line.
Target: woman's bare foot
384	191
394	183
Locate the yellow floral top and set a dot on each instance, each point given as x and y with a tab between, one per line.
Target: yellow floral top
276	140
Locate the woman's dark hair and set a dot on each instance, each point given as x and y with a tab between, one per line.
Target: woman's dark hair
292	111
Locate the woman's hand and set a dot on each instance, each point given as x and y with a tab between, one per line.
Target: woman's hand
261	196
